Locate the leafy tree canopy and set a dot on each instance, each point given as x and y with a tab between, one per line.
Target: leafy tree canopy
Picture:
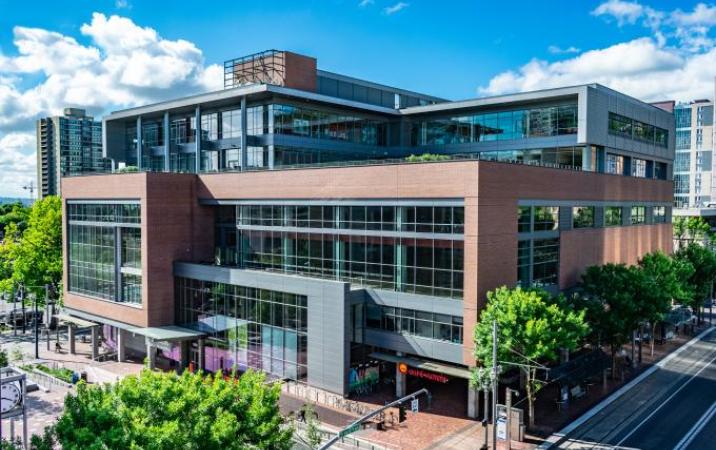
34	256
608	293
532	328
163	411
703	262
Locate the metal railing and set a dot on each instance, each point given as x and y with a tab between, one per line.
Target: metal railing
458	157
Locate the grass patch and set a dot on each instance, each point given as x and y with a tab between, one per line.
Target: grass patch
62	373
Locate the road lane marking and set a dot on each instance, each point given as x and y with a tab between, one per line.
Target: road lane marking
696	429
666	401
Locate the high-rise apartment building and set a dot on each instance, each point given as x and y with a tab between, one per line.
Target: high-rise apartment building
282	224
693	163
69	144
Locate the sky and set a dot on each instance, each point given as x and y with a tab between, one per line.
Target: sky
105	55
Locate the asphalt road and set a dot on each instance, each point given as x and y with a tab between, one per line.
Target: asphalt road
672	408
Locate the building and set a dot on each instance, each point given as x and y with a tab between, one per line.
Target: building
302	238
69	144
694	183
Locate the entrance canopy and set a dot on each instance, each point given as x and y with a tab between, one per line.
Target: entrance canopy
62	317
168	333
430	366
172	333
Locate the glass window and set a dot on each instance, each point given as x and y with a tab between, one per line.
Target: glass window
613	216
524	219
638	215
638	168
583	216
545	266
615	164
523	262
93	259
659	214
546	218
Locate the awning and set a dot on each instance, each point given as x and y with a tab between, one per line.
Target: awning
168	333
430	366
62	317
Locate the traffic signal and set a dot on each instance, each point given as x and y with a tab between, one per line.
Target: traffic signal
401	414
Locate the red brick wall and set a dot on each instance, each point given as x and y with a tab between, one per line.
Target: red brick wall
178	228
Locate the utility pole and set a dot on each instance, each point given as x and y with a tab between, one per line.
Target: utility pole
508	407
494	385
22	299
486	418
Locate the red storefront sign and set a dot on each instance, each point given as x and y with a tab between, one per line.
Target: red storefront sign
428	375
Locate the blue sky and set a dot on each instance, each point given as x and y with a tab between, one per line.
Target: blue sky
113	54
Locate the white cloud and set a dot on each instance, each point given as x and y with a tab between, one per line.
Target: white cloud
395	8
556	50
122	4
17	165
674	61
624	12
364	3
121	65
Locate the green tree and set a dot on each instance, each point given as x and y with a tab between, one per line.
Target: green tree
532	328
691	229
34	257
664	281
163	411
13	213
703	261
608	295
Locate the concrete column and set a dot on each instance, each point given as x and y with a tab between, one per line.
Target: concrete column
47	330
95	343
400	380
200	343
183	356
71	338
473	402
151	354
121	345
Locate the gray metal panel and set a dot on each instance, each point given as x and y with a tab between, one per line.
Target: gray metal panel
427	303
429	348
328	338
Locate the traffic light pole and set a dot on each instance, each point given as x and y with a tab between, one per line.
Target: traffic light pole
354	426
495	382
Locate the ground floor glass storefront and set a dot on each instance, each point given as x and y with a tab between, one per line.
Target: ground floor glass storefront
246	327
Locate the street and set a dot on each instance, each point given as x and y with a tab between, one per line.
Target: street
674	407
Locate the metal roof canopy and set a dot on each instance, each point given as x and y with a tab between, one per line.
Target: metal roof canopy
168	333
63	317
424	365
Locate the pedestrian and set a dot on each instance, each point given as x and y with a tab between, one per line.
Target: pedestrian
302	414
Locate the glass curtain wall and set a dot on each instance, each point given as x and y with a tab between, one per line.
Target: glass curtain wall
98	267
247	327
351	243
496	126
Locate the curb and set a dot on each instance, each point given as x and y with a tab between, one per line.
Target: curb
556	437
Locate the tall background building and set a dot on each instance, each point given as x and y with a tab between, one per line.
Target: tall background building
693	171
66	145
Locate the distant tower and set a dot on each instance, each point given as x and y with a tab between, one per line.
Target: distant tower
66	145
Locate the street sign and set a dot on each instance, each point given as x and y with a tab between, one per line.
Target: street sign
502	428
414	405
349	430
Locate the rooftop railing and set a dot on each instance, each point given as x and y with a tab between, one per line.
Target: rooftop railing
355	163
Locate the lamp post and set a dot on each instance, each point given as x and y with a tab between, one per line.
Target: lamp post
22	300
33	296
